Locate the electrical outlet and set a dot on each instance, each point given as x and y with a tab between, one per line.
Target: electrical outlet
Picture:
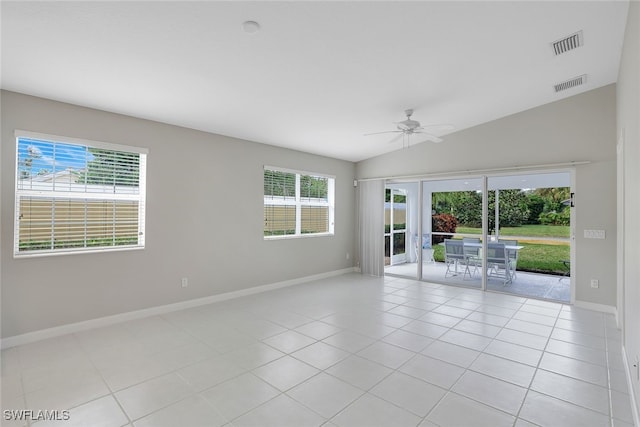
595	283
348	256
185	282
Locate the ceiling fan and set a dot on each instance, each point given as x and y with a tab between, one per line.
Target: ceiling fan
409	127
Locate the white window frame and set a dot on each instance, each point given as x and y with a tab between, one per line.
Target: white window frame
139	197
298	202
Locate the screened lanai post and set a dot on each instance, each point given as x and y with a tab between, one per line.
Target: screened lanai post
497	212
371	227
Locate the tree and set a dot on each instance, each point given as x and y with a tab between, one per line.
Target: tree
536	204
314	187
553	197
283	184
513	207
26	164
277	183
110	167
441	202
466	206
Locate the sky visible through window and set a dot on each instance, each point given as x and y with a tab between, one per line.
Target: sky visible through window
38	157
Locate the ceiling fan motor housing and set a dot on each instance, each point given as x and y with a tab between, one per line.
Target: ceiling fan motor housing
408	125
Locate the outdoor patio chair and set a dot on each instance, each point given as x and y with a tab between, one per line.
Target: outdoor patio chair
453	255
498	262
513	255
471	256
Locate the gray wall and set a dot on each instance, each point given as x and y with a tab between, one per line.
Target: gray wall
628	91
578	128
204	222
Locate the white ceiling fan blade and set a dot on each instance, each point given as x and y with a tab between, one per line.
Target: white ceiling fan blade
409	127
439	127
394	139
378	133
429	137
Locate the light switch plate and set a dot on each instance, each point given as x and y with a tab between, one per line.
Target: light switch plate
594	234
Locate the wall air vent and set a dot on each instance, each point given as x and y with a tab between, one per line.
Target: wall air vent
576	81
568	43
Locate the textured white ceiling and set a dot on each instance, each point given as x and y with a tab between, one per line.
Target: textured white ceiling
318	75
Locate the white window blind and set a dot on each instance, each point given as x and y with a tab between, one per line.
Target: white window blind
77	196
297	203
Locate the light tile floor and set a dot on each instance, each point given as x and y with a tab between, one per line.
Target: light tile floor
346	351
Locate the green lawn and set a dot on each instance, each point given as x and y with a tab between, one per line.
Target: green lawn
530	230
543	258
532	257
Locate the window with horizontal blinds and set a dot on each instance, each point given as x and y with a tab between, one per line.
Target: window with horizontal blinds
77	196
297	203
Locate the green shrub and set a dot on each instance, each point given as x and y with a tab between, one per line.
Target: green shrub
535	204
387	227
555	218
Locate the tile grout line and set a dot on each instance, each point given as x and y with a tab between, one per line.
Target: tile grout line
536	369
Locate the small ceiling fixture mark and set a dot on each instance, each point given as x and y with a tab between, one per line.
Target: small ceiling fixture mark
250	27
568	84
568	43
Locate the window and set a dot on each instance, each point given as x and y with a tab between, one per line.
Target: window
77	196
297	203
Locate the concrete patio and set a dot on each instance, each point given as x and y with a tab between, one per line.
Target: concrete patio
534	285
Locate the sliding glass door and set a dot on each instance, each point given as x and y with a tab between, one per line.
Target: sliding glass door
531	215
505	233
452	231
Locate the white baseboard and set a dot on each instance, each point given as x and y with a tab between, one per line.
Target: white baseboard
632	395
597	307
57	331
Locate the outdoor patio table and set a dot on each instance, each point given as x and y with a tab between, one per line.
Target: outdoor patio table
508	248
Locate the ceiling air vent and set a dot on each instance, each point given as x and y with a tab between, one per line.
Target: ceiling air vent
568	43
576	81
